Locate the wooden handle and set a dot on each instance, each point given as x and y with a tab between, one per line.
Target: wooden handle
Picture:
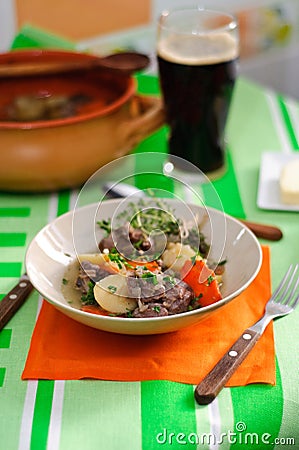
14	299
268	232
122	63
43	68
208	389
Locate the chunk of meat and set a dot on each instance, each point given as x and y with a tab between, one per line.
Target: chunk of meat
125	240
87	272
168	299
178	298
145	288
152	310
106	243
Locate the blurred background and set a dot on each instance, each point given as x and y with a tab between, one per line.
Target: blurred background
269	30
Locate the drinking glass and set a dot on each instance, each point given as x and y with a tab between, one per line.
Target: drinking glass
197	52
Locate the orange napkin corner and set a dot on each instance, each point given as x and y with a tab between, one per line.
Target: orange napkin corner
62	348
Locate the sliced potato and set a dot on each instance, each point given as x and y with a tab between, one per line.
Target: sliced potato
176	254
100	260
218	278
111	293
94	258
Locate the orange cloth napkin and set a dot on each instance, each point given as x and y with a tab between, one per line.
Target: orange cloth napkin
62	348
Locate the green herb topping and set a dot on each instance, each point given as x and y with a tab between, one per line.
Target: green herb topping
112	289
116	257
129	313
88	298
105	225
169	279
210	280
193	258
151	277
221	263
148	218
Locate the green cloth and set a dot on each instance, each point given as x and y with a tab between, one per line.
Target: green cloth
33	37
94	415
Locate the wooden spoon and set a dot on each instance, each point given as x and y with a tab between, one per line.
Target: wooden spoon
125	62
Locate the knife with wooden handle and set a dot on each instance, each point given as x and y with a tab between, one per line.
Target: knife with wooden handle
208	389
263	231
10	304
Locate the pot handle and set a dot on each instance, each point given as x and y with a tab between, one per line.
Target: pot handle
147	116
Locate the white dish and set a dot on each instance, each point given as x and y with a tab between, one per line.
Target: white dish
53	249
268	191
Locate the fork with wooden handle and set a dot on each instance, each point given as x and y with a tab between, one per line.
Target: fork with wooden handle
282	302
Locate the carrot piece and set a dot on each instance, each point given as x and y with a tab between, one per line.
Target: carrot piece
151	265
203	282
95	309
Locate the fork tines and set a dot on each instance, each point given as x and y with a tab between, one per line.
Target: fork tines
286	293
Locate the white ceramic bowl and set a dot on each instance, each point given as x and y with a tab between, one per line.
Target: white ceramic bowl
53	249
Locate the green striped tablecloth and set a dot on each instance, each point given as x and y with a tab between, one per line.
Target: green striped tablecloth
102	415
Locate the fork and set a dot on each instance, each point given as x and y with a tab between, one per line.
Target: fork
283	301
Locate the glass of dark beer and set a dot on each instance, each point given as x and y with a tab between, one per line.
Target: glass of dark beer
197	51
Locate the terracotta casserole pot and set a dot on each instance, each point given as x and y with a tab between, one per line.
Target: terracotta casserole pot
49	154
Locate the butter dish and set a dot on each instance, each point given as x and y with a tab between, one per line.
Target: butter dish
269	195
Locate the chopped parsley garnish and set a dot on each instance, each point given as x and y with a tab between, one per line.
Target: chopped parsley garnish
112	289
194	304
148	218
129	313
193	258
221	263
169	279
138	244
88	298
151	277
65	281
105	225
210	280
157	308
116	257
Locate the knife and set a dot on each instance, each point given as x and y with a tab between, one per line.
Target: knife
119	190
10	304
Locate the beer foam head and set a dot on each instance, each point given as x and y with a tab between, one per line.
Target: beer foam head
199	49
